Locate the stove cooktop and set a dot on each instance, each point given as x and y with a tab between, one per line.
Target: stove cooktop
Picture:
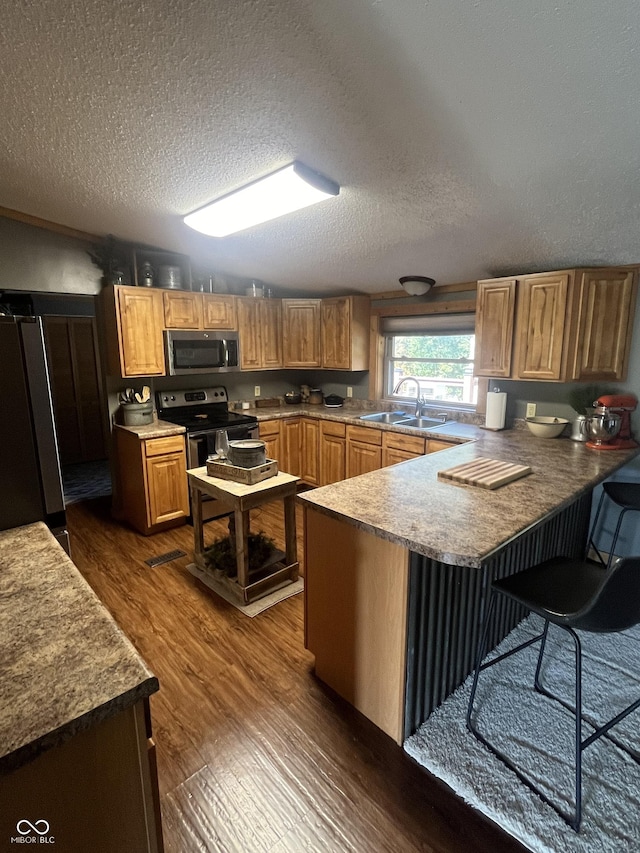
200	409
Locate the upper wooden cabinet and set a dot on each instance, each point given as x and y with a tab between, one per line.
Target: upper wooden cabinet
184	310
133	319
345	333
604	325
301	332
219	312
260	331
495	312
540	327
573	325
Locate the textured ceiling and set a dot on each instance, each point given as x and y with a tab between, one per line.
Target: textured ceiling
469	138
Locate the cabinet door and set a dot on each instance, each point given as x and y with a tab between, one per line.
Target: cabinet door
333	447
494	327
362	458
301	332
606	311
168	496
335	333
249	333
310	470
140	319
291	446
398	448
219	312
182	310
270	434
271	332
542	304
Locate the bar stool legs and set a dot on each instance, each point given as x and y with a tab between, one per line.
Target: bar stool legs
572	820
627	497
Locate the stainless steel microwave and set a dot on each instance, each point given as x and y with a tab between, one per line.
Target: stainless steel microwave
201	352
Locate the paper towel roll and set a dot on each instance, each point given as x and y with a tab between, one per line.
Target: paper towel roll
496	409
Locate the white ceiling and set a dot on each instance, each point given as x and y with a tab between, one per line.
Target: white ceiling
470	138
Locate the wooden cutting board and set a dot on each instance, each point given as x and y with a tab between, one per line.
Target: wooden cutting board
485	473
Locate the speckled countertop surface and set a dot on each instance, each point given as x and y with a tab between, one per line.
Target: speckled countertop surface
65	664
158	429
460	525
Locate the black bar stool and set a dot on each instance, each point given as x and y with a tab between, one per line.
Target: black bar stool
572	595
627	497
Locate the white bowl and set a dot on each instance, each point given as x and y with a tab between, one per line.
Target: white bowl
546	427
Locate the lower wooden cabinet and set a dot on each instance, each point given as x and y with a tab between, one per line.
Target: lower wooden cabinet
333	452
364	450
323	452
291	435
98	790
270	434
310	451
399	448
434	445
152	490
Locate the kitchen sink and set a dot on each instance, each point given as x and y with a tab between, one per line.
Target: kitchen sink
424	423
386	417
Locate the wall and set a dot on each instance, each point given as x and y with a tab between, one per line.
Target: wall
36	259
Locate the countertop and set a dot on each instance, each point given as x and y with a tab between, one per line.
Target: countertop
158	429
464	525
65	664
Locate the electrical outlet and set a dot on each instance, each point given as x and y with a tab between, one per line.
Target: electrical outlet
531	410
349	391
256	391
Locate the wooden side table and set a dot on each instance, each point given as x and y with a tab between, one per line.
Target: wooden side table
241	500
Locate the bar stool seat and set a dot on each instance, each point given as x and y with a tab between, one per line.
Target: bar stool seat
627	497
574	595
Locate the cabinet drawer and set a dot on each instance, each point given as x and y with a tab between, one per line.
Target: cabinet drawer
410	443
333	428
367	435
433	445
268	429
169	444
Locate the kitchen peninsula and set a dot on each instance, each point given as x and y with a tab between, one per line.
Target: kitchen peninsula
398	564
75	734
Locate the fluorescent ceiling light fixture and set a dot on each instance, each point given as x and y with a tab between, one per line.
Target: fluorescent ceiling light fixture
291	188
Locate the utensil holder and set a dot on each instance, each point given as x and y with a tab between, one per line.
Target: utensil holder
137	414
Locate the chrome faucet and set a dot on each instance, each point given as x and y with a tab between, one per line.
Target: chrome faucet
420	401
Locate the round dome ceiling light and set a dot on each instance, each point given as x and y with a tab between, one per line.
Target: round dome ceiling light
417	285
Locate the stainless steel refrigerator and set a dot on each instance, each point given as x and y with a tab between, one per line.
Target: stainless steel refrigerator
30	476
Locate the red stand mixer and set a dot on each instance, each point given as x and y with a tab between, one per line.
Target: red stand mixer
610	425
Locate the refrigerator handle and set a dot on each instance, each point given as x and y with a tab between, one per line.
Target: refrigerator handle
42	407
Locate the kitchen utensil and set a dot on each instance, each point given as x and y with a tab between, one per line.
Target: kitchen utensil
546	427
315	397
579	431
254	289
621	405
222	444
603	426
247	452
146	393
170	277
486	473
333	401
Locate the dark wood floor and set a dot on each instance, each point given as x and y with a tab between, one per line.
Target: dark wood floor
254	753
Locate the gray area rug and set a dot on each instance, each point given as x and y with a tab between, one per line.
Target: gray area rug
253	608
86	480
537	733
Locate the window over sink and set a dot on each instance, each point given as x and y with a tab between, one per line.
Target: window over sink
437	353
